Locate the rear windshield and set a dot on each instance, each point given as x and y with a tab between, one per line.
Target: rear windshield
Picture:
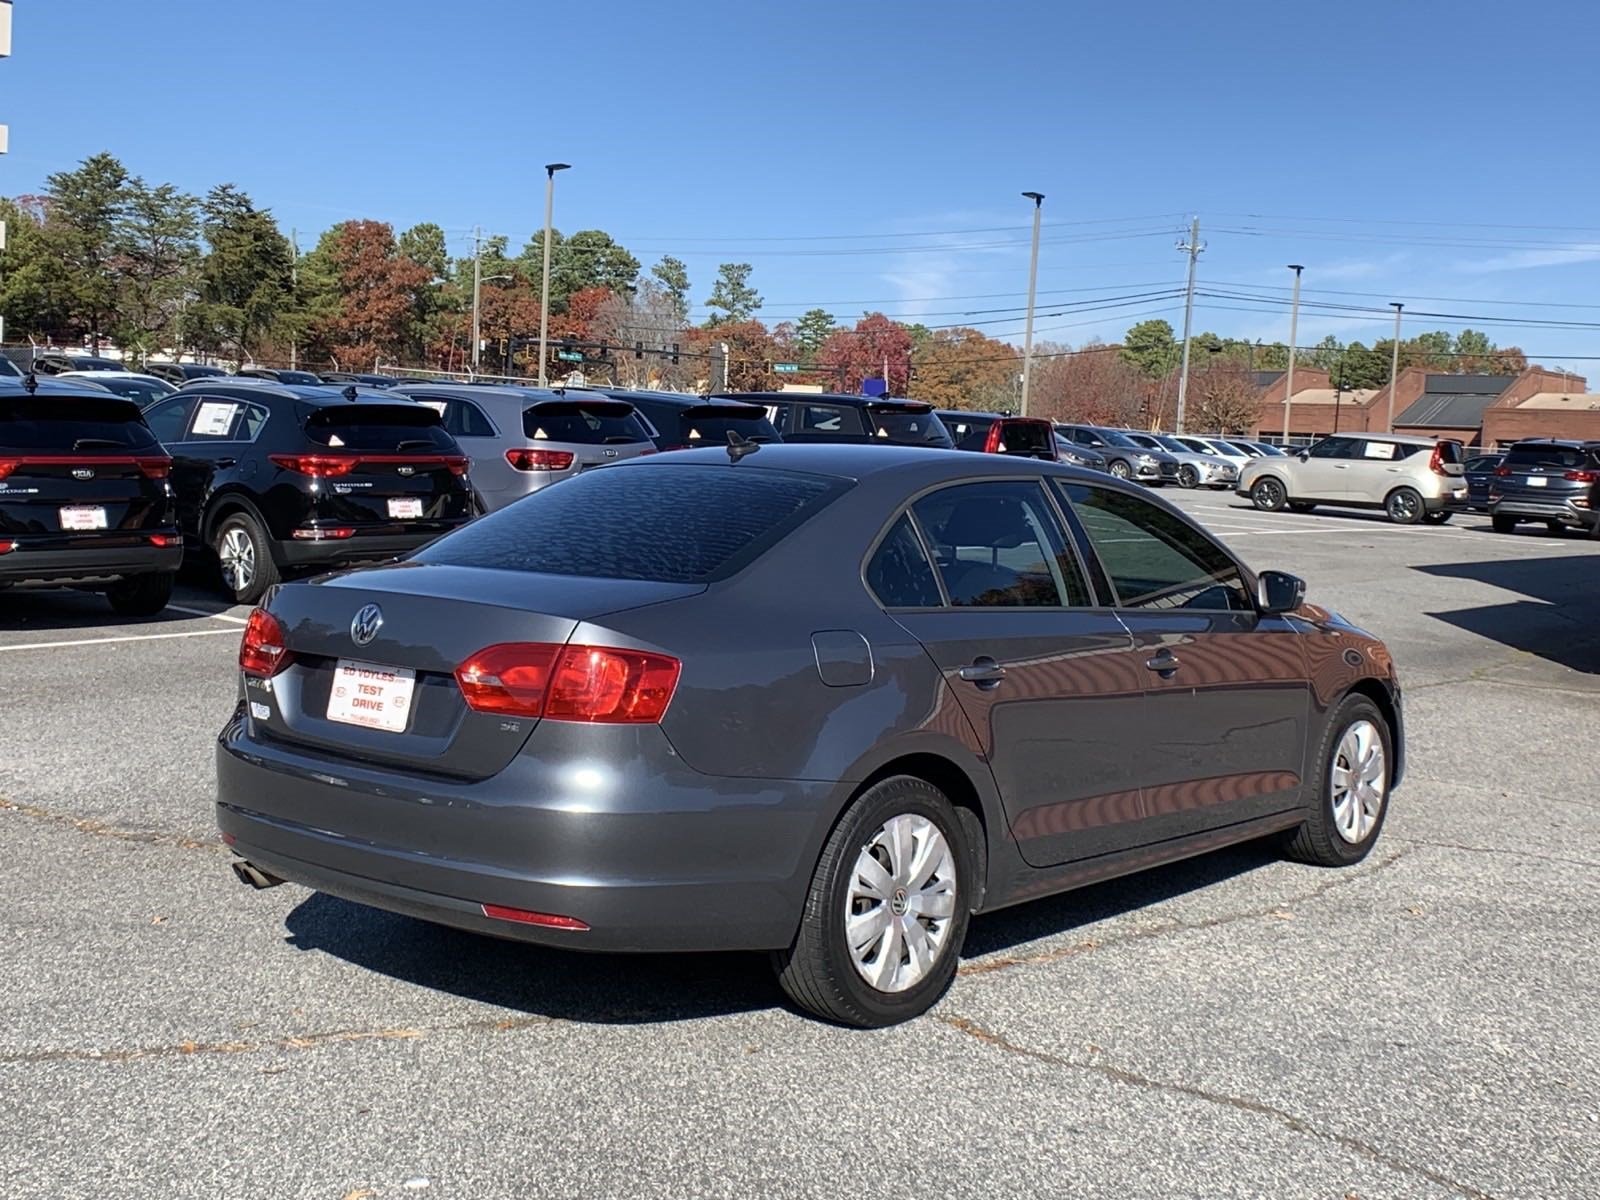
909	426
586	422
1535	455
1450	452
684	524
1027	437
62	424
710	424
380	428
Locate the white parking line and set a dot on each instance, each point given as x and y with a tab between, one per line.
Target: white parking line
131	637
215	616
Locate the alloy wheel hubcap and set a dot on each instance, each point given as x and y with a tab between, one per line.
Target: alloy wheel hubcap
1120	469
1403	506
1269	492
238	555
1358	781
901	903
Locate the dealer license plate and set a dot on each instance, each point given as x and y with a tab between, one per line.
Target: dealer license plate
83	516
371	695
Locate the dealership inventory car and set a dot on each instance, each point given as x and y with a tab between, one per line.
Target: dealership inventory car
820	700
679	422
1479	474
58	362
362	379
1125	458
281	375
180	373
1075	455
1412	479
523	439
829	417
1194	468
998	433
1548	480
141	389
83	495
1216	448
276	477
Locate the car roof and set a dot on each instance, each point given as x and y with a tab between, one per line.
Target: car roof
52	385
240	387
681	399
842	398
855	460
113	374
477	391
984	416
1564	443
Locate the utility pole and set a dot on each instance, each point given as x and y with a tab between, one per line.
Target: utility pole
5	130
886	373
477	293
550	170
1192	248
1294	329
1033	285
1394	364
727	367
294	287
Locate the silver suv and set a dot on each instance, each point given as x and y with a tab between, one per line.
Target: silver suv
1413	479
523	439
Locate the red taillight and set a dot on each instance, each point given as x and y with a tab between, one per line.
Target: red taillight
320	466
162	540
458	463
569	683
7	547
621	687
1502	472
524	458
155	468
549	920
8	465
262	652
1436	461
1581	476
992	444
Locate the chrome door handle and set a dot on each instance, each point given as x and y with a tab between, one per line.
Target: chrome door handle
224	462
984	672
1165	663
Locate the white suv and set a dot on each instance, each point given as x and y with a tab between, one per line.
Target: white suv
1413	479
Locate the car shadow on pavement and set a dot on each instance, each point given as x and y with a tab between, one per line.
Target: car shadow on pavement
46	609
1556	623
606	989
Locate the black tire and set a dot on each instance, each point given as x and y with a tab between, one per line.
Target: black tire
1503	524
1120	468
264	571
817	972
1404	506
1188	477
1556	528
1436	518
1300	506
1268	494
1317	841
141	595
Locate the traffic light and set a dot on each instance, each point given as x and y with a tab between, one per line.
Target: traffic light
638	349
674	353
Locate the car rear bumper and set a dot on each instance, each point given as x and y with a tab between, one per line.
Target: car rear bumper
64	560
382	543
1545	510
605	825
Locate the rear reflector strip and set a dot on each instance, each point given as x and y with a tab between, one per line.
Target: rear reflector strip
546	920
154	466
336	533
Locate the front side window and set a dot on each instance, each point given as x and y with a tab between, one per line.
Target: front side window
1154	559
998	546
1336	447
899	573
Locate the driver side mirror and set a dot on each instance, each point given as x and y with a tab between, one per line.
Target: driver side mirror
1303	455
1279	592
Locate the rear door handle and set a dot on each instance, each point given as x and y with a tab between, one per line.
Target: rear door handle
984	672
224	462
1164	663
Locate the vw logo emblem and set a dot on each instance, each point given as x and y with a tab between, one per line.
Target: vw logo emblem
405	470
83	472
365	624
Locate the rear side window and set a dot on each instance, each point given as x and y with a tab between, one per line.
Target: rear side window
1533	454
586	422
379	428
62	424
226	421
828	418
684	524
1154	559
899	573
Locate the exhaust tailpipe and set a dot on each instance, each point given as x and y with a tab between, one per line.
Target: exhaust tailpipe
253	875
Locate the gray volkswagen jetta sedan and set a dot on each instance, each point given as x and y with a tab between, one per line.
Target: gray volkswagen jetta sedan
825	701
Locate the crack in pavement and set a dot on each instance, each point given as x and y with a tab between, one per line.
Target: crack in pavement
305	1041
95	828
1507	851
1245	1104
1279	911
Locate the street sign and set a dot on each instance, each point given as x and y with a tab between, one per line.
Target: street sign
786	368
570	355
874	387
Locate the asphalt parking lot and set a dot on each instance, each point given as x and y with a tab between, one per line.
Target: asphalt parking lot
1422	1025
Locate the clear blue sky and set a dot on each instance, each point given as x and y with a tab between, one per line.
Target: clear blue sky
1401	149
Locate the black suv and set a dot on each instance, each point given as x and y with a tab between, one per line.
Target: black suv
83	495
679	422
179	373
281	375
1542	479
1000	433
274	477
54	362
828	417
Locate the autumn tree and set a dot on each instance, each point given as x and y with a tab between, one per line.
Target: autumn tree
645	326
732	294
1223	397
367	293
876	342
963	368
1094	384
750	355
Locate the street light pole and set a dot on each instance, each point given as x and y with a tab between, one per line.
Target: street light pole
550	170
477	294
1394	364
1294	329
1033	285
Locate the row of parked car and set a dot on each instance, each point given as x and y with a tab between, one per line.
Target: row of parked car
104	483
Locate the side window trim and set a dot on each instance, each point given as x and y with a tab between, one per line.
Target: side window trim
927	553
1089	564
